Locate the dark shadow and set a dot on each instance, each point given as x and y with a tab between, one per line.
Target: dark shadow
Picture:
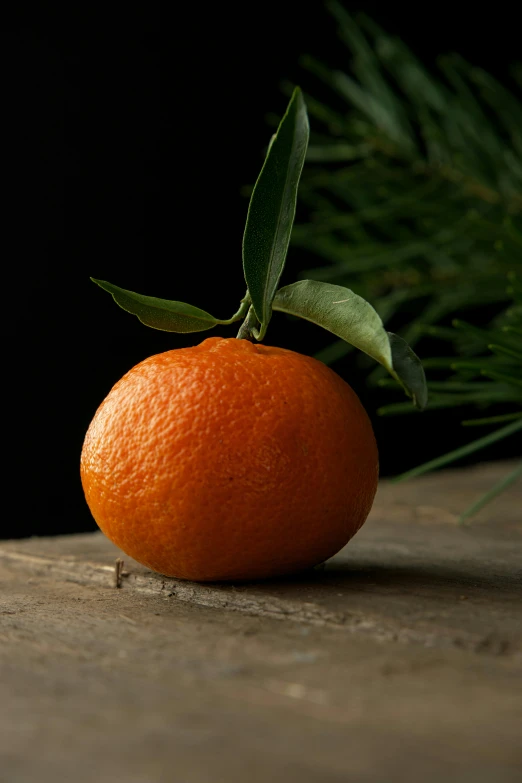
406	577
469	579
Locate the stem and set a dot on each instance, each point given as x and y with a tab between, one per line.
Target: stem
243	309
248	329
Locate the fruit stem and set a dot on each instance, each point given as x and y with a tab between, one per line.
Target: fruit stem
248	329
243	309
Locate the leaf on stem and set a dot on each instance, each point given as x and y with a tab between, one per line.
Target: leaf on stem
354	320
163	314
272	209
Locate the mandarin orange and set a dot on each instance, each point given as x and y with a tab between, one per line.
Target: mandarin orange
230	460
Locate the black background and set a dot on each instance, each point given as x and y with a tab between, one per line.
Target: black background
133	133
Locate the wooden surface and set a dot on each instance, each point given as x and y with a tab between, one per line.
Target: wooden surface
400	660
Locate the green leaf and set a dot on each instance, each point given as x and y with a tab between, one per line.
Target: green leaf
163	314
354	320
408	370
272	209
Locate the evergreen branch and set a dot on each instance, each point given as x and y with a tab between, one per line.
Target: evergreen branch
413	199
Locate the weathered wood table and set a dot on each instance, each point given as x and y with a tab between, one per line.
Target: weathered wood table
401	660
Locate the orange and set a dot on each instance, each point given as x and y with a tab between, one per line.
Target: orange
230	460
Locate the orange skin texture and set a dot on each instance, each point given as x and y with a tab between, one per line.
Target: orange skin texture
230	461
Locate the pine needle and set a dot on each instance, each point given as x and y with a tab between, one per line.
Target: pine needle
488	496
413	198
461	452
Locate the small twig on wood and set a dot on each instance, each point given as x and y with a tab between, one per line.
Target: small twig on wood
118	571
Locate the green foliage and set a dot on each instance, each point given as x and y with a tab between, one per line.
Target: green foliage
355	321
271	211
265	245
479	354
413	199
424	201
164	314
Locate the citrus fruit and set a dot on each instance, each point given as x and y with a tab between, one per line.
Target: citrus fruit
228	461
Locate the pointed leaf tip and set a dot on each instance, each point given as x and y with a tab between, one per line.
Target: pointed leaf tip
407	369
354	320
